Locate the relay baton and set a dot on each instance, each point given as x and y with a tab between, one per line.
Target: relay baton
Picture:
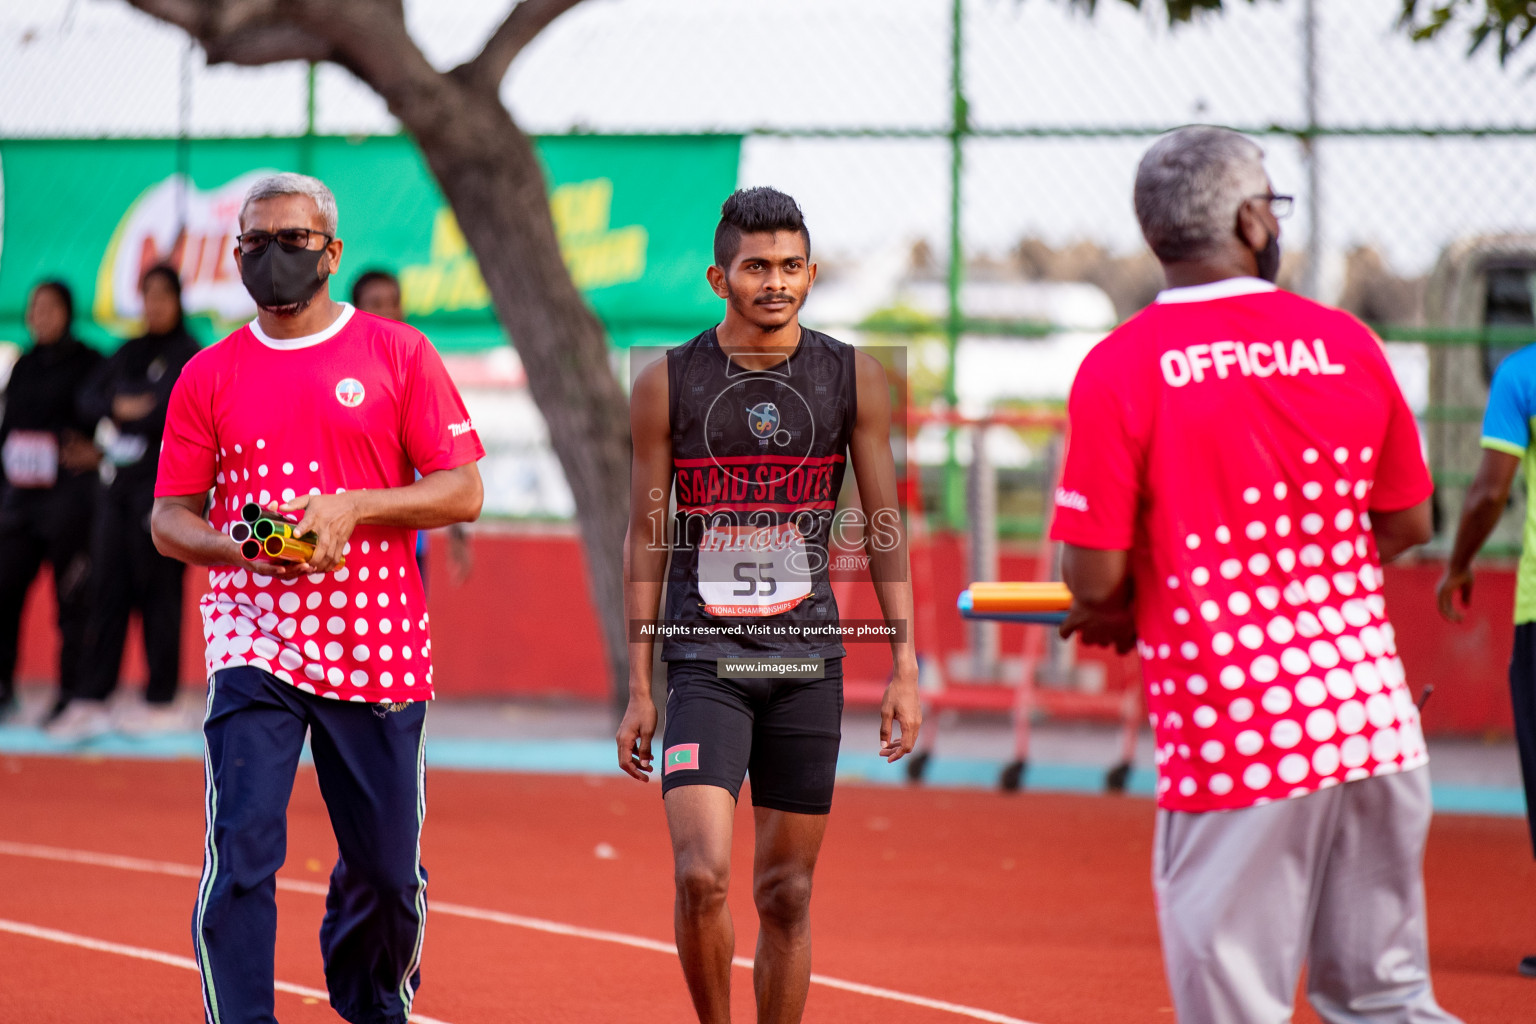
281	548
257	522
261	522
265	528
287	549
1038	603
261	532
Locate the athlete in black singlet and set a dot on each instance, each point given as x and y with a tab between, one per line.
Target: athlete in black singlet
753	424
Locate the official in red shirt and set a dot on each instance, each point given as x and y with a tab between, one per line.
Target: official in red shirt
327	414
1241	462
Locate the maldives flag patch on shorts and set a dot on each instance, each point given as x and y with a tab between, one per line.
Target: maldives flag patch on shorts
680	758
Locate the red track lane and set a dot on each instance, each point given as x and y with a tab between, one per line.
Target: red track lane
1036	906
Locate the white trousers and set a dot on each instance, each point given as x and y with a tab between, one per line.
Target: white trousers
1334	879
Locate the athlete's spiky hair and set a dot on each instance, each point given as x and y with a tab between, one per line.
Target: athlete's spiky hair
753	210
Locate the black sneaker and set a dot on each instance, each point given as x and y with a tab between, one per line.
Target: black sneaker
1528	966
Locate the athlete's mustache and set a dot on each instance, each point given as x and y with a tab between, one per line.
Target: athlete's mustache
770	299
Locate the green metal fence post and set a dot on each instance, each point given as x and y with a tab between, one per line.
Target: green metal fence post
959	127
184	134
307	147
1312	275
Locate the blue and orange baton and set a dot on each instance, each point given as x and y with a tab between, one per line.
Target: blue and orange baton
1042	604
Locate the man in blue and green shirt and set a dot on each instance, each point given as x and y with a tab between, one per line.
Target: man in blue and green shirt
1506	446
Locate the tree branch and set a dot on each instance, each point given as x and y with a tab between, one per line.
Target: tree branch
184	14
267	44
526	19
249	32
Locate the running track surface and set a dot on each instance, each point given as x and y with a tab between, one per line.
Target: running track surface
1030	907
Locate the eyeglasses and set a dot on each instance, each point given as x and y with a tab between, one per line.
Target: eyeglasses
1280	206
254	243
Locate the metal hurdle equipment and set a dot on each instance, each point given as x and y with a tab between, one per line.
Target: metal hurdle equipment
981	680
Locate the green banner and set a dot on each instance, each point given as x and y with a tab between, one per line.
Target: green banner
635	215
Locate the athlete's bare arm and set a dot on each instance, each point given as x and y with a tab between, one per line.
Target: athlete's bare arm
886	544
448	496
1400	529
179	530
1101	597
645	555
437	499
1485	503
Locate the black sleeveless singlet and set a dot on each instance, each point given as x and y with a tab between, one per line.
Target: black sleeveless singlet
758	458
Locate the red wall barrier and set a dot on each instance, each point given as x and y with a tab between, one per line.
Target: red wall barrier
523	624
1468	664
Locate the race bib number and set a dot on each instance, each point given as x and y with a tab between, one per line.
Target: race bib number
31	458
746	571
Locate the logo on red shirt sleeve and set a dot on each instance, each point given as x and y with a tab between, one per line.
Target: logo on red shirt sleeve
1074	500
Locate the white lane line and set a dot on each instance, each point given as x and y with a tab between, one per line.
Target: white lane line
155	956
160	867
101	860
903	997
553	927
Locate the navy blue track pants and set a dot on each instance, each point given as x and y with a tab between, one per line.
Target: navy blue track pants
369	765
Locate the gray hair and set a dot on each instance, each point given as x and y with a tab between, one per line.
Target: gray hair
1189	187
289	184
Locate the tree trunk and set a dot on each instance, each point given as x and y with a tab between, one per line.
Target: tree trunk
490	174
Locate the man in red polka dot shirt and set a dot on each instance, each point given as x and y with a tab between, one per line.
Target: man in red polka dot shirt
1240	463
326	414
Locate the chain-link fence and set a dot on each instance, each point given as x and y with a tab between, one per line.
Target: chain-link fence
965	166
853	104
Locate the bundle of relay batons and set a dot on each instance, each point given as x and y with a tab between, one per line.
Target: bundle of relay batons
261	533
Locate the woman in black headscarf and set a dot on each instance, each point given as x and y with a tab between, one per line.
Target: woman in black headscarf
49	467
130	393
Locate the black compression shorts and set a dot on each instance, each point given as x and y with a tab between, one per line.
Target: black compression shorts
783	732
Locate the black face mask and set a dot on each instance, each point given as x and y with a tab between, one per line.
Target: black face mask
1269	259
276	277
